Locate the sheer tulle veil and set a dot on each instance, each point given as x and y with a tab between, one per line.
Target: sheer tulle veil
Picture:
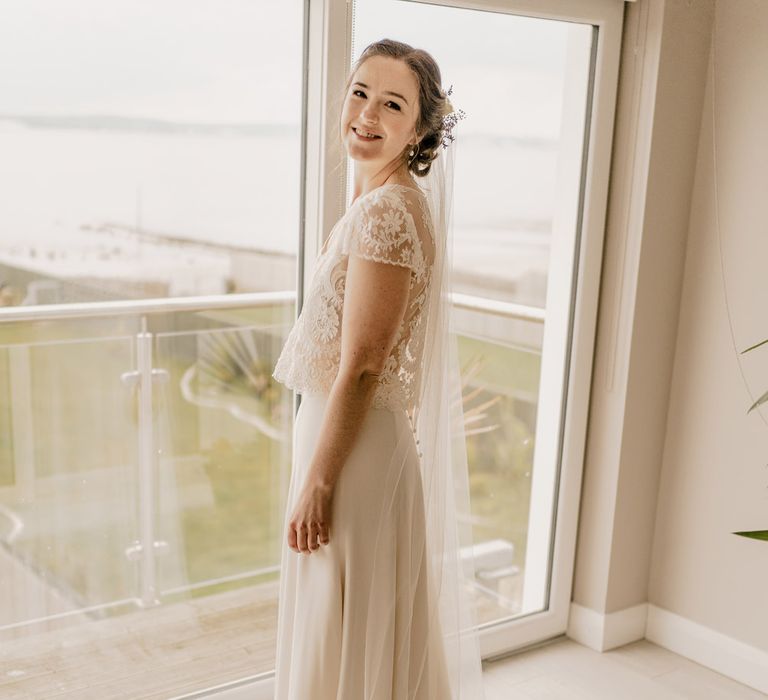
440	431
436	548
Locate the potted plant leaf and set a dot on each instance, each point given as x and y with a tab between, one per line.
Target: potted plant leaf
756	534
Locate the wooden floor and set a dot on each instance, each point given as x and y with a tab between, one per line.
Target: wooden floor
565	670
151	654
164	652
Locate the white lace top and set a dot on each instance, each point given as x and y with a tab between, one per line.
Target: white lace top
390	224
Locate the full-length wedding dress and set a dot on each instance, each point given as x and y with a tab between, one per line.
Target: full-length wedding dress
352	621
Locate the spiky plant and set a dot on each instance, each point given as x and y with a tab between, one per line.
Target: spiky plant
475	413
756	534
231	373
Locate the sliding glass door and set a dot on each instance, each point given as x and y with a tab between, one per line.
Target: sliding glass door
527	244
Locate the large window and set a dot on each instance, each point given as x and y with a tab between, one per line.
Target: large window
151	161
149	149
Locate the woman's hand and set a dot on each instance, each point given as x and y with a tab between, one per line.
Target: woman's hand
311	518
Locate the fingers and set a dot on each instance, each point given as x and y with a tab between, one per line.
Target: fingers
318	534
306	538
292	538
301	538
312	537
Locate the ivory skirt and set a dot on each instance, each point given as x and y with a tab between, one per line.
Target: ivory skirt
352	615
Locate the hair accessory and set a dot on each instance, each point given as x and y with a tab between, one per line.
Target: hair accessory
449	121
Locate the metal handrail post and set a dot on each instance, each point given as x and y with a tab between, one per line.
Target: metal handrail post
146	470
146	547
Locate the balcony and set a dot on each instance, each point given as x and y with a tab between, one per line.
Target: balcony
143	484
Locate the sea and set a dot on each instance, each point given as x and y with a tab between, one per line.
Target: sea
130	198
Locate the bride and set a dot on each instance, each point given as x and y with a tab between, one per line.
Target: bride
373	599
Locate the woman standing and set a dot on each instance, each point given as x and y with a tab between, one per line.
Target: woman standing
371	602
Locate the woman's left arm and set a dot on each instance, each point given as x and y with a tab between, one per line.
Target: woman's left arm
375	299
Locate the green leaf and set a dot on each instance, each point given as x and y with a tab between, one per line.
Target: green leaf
752	347
761	400
754	534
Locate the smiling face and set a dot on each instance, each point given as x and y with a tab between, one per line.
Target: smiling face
383	100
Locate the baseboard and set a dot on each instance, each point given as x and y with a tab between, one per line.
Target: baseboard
725	655
601	632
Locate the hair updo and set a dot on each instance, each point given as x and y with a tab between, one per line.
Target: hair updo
433	101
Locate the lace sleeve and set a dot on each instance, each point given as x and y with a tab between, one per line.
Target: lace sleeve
384	231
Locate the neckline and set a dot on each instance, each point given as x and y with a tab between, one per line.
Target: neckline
386	184
397	184
326	245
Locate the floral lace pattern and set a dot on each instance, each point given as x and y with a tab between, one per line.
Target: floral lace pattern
389	224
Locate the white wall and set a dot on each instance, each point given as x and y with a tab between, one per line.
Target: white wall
714	478
674	464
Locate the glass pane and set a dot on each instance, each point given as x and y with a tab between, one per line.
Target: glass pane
144	468
67	479
521	83
134	140
225	430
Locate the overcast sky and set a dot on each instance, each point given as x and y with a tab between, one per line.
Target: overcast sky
240	60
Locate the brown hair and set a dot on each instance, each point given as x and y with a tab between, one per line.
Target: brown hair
433	102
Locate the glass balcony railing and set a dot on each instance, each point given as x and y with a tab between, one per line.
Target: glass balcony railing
146	462
146	454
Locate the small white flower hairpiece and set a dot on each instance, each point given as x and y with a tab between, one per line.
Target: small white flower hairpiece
449	121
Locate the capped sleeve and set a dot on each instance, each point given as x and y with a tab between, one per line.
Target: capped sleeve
384	231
